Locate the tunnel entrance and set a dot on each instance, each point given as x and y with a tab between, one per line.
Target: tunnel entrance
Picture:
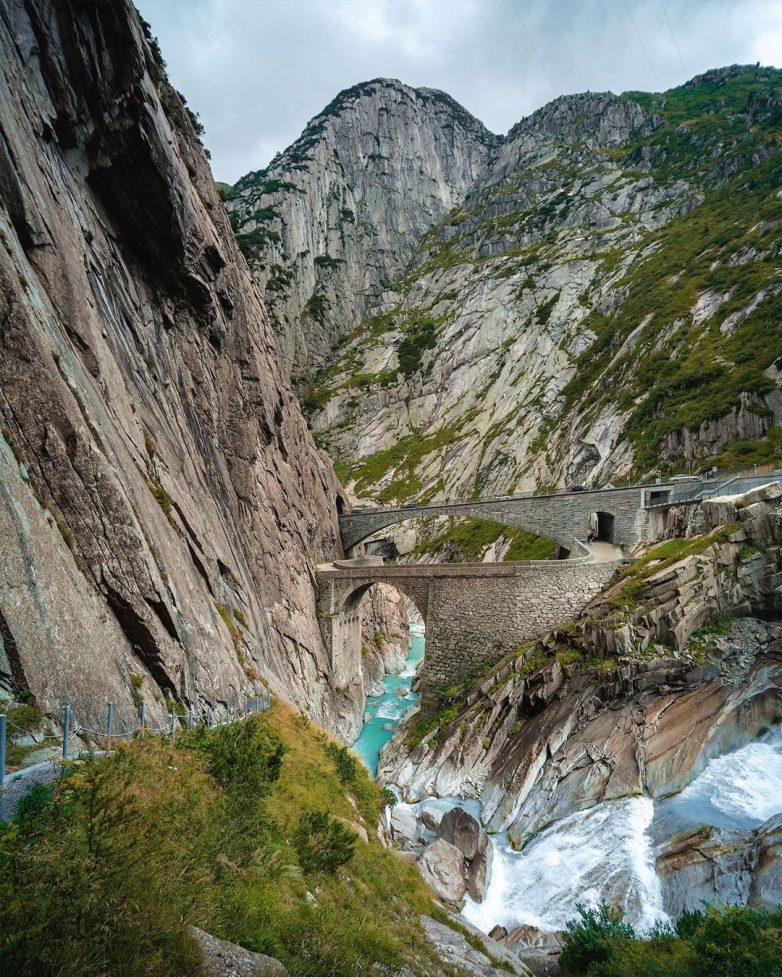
603	526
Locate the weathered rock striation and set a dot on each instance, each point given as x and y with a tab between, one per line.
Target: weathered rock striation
337	216
161	501
677	662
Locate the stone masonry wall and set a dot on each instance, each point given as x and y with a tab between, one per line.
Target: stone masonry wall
473	621
559	517
474	613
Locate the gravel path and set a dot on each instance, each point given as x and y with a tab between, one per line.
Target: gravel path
17	784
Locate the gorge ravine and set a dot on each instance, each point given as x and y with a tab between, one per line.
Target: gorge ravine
697	827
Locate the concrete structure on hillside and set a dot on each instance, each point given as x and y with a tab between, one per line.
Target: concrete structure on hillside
474	612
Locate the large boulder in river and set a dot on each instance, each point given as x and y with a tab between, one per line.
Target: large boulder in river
404	826
461	829
478	869
442	866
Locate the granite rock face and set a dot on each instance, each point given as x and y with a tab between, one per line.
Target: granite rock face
385	636
635	698
480	956
706	864
516	341
161	501
338	215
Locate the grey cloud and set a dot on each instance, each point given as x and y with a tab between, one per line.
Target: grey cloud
257	70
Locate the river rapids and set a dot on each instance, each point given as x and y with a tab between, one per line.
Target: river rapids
603	853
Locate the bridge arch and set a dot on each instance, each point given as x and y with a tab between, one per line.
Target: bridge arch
560	516
418	597
341	624
473	612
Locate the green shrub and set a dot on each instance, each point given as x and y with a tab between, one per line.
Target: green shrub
26	717
344	761
86	887
322	842
413	345
135	847
245	759
720	941
33	806
594	938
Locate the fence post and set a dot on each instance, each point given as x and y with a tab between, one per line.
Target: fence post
109	725
3	723
173	726
66	733
142	715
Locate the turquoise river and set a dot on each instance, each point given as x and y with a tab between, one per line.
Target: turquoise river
384	712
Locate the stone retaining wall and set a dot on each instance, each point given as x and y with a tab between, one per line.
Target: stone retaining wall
473	621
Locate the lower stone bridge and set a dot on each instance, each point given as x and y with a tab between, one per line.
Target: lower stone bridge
474	612
624	516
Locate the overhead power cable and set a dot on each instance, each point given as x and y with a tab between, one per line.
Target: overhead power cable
641	42
673	38
534	47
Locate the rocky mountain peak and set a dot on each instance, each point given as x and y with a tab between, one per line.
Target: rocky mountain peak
594	118
593	290
338	215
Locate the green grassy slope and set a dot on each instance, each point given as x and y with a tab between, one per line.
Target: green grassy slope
104	876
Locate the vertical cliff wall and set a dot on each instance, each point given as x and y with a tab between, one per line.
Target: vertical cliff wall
336	217
161	501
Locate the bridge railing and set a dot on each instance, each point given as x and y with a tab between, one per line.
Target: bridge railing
709	485
734	485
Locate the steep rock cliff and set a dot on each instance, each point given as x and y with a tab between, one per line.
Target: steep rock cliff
161	501
604	301
337	216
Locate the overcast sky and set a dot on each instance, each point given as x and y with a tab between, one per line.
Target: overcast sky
257	70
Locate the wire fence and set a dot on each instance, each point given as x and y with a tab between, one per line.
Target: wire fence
104	732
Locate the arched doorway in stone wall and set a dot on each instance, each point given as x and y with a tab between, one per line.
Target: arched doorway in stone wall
602	525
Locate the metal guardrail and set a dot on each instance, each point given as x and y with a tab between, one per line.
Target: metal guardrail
735	485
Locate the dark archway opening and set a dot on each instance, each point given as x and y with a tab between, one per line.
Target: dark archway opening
340	506
603	526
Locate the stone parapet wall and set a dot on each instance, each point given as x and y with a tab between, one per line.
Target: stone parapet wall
558	517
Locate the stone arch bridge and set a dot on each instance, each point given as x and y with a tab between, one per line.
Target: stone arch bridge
630	514
473	612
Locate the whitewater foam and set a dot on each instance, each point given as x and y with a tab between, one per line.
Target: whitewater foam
600	854
745	786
